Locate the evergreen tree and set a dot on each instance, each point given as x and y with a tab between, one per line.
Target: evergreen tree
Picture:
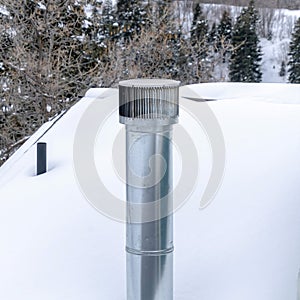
213	34
199	44
294	55
282	71
103	28
225	29
199	29
246	55
109	26
224	36
132	16
177	59
169	35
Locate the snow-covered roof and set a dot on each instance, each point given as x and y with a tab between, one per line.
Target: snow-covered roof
244	245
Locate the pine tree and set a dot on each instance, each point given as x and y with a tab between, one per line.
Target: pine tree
199	44
224	29
103	28
246	55
168	35
294	55
213	34
282	71
109	26
132	16
199	29
223	39
177	59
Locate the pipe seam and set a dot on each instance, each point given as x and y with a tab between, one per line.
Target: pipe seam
150	253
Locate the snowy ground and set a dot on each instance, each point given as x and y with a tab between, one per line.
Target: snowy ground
244	245
274	54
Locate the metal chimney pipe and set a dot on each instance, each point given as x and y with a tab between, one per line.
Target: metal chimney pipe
149	108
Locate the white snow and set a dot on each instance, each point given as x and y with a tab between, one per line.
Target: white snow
88	10
42	6
3	10
273	54
244	245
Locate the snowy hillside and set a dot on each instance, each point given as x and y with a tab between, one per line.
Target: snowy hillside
279	22
276	50
244	245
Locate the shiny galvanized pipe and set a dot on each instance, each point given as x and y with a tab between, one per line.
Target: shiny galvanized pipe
149	108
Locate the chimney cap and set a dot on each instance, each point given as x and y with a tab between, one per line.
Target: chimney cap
149	99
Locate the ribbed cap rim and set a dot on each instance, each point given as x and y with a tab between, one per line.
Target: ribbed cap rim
149	99
149	83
